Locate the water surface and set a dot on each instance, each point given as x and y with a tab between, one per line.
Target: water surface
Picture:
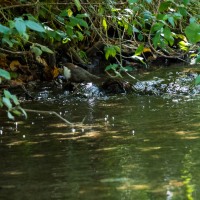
122	148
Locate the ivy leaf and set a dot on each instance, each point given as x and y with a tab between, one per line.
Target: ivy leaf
34	26
20	25
4	74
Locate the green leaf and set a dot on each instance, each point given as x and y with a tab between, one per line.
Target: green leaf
112	67
164	6
104	23
168	35
197	80
20	25
111	51
132	1
7	103
34	26
193	32
37	51
139	50
74	21
44	48
148	1
197	60
156	27
78	4
4	74
80	35
15	100
156	40
7	94
4	29
171	21
7	40
10	116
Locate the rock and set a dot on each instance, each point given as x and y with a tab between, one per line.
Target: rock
76	74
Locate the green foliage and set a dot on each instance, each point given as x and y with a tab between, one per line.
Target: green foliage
111	51
9	100
197	80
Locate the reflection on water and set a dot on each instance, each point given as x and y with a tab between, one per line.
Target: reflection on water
133	147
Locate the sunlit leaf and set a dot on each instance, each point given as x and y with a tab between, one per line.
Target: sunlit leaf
20	25
104	23
34	26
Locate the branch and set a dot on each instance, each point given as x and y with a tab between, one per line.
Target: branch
49	112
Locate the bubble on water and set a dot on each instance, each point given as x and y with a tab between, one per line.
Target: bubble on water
73	130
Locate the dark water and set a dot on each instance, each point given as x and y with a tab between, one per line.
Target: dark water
128	147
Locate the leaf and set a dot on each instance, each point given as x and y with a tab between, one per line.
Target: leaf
80	35
4	29
77	21
23	111
171	21
7	103
7	94
168	35
69	12
45	48
4	74
112	67
139	50
164	6
193	32
15	100
104	23
20	25
34	26
37	51
197	80
10	116
78	4
132	1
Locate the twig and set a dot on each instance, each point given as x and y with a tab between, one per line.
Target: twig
49	112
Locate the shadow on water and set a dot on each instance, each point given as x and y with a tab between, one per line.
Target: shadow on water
128	147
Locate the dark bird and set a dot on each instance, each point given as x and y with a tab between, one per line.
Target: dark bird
76	74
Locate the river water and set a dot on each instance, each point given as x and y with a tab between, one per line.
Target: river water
124	147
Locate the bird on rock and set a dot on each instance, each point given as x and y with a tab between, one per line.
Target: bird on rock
76	74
